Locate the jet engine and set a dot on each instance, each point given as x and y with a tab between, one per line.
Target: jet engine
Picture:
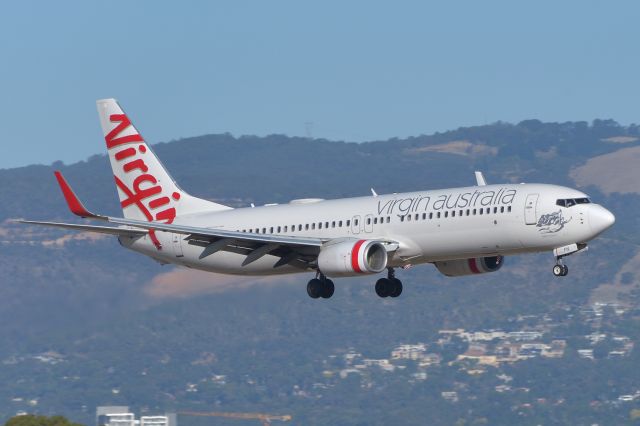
475	265
352	257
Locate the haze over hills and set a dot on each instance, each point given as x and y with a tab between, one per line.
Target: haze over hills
85	323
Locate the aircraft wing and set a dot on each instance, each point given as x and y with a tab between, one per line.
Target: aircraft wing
219	233
293	250
90	228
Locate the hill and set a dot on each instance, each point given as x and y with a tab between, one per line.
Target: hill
84	323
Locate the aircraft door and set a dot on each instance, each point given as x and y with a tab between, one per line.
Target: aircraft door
177	244
530	205
368	223
355	225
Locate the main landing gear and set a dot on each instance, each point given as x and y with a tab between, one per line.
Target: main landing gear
320	286
390	286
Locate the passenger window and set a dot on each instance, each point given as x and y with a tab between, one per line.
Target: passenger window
348	222
264	230
502	209
495	210
446	214
278	229
306	227
468	211
388	219
408	217
333	224
461	213
375	220
319	225
368	221
313	226
480	211
299	227
453	213
271	230
401	218
326	225
509	209
355	222
488	210
431	215
339	224
438	215
417	216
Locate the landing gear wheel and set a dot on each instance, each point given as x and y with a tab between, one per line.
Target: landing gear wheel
327	289
396	289
314	288
383	287
559	270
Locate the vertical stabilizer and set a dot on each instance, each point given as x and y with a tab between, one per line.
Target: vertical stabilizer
146	190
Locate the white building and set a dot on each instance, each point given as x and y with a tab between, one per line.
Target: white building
413	352
121	416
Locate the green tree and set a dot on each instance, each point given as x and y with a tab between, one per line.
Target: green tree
33	420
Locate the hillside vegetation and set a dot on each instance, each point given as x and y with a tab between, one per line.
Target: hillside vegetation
85	323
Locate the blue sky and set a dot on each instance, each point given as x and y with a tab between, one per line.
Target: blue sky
358	70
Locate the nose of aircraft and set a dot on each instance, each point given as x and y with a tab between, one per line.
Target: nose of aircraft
600	219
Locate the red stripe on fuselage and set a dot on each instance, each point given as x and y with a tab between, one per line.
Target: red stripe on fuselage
355	255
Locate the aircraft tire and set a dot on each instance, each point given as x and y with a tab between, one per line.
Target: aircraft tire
565	270
396	289
328	288
558	270
314	288
383	287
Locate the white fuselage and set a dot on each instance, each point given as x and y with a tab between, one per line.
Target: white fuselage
429	226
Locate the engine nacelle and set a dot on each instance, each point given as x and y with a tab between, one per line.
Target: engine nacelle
352	257
475	265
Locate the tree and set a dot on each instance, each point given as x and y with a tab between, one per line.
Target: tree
33	420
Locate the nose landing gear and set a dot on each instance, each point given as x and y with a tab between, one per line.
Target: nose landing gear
390	286
560	270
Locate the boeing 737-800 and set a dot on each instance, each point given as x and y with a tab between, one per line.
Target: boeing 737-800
462	231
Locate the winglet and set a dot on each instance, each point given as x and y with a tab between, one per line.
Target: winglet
75	205
480	179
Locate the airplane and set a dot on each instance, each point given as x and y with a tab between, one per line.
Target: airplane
462	231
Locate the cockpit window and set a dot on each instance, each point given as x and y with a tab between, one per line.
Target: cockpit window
569	202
